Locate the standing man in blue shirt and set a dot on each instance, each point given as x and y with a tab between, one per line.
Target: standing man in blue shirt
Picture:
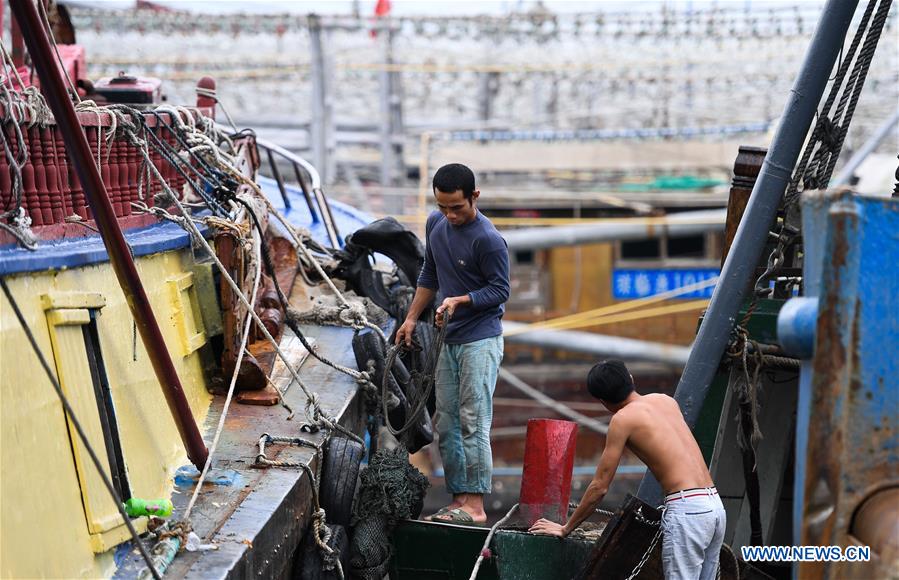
467	265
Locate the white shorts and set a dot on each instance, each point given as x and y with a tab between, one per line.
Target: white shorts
693	531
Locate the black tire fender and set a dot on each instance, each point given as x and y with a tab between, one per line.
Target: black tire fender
367	346
339	475
308	564
387	236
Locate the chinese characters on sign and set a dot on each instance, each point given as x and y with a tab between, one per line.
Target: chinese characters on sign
642	283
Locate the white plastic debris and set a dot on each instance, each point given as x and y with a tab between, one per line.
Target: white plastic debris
195	545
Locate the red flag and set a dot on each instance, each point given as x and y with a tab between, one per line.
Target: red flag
382	8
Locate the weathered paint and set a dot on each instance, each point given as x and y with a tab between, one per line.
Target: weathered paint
523	556
435	551
42	499
847	436
548	462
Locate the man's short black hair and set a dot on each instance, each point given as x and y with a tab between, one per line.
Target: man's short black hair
453	177
610	381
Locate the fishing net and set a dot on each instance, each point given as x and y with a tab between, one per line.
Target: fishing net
390	490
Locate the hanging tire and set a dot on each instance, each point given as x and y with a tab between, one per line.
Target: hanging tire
340	472
309	564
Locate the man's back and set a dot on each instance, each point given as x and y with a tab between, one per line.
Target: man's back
658	435
653	428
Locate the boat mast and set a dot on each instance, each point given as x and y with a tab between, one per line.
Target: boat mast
53	88
744	255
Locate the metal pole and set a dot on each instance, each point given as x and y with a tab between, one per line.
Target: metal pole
424	180
318	136
119	254
680	224
386	94
484	96
870	145
397	132
550	403
329	170
752	233
598	344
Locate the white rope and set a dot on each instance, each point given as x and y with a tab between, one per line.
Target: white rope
27	99
243	344
361	377
212	95
312	404
116	118
486	547
8	61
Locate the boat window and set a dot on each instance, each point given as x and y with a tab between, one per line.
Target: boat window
524	257
687	247
105	407
77	353
641	250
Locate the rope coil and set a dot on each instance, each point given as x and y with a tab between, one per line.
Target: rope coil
423	379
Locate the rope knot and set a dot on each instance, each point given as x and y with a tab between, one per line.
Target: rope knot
830	134
352	314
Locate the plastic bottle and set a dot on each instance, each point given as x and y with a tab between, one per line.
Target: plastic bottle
136	507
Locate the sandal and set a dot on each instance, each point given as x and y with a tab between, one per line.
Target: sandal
457	516
439	512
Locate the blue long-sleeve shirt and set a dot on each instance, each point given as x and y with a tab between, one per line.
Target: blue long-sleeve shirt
470	259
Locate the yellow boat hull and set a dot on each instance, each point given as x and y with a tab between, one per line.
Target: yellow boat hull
56	518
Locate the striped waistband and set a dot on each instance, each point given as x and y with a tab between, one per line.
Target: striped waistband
691	492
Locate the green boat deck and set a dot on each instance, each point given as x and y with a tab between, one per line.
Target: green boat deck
438	551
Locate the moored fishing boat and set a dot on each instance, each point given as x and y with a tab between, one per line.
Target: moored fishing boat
157	278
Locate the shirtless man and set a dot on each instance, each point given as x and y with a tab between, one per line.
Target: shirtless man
653	427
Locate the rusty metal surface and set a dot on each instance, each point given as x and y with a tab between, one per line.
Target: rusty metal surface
284	257
258	366
227	247
876	524
848	412
625	540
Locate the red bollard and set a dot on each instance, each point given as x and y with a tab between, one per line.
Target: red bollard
548	464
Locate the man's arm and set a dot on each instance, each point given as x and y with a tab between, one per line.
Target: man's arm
495	267
605	472
425	290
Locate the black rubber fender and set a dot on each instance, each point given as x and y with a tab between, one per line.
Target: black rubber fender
340	474
426	336
367	346
389	237
308	564
423	433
